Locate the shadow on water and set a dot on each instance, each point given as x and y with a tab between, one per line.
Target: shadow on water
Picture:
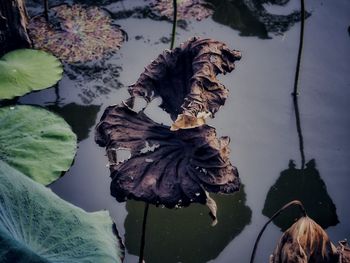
305	185
251	18
94	79
168	239
80	117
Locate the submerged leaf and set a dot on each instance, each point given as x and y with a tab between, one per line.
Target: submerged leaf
75	33
185	79
37	142
26	70
165	167
37	226
186	9
305	242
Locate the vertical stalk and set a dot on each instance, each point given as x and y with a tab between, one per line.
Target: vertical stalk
143	236
296	86
46	10
300	134
145	213
58	97
173	33
301	41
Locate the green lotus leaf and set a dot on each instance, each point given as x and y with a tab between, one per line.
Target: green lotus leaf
26	70
37	226
36	142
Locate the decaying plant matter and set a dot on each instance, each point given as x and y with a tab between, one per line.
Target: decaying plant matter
344	252
305	242
185	79
165	167
76	33
186	9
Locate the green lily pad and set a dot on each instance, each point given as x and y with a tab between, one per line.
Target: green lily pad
36	142
26	70
37	226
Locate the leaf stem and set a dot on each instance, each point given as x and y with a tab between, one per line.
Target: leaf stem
46	10
292	203
301	41
143	236
173	33
145	213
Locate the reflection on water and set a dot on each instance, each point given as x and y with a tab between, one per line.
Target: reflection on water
307	186
186	235
94	79
251	18
80	117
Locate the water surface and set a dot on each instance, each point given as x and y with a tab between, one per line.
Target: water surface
258	116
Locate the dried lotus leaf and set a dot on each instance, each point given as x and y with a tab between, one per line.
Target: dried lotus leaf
165	167
185	79
75	33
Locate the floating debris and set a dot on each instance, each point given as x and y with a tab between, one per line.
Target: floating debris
75	33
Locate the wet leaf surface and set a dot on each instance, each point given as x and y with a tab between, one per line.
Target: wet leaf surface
26	70
185	79
37	142
165	167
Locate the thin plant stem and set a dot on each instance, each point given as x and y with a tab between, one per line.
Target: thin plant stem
301	41
143	235
145	213
46	10
173	33
296	85
300	134
292	203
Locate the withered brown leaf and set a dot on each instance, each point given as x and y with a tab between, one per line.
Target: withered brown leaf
185	79
171	168
76	33
305	242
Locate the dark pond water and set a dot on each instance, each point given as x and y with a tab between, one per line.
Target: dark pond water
259	117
